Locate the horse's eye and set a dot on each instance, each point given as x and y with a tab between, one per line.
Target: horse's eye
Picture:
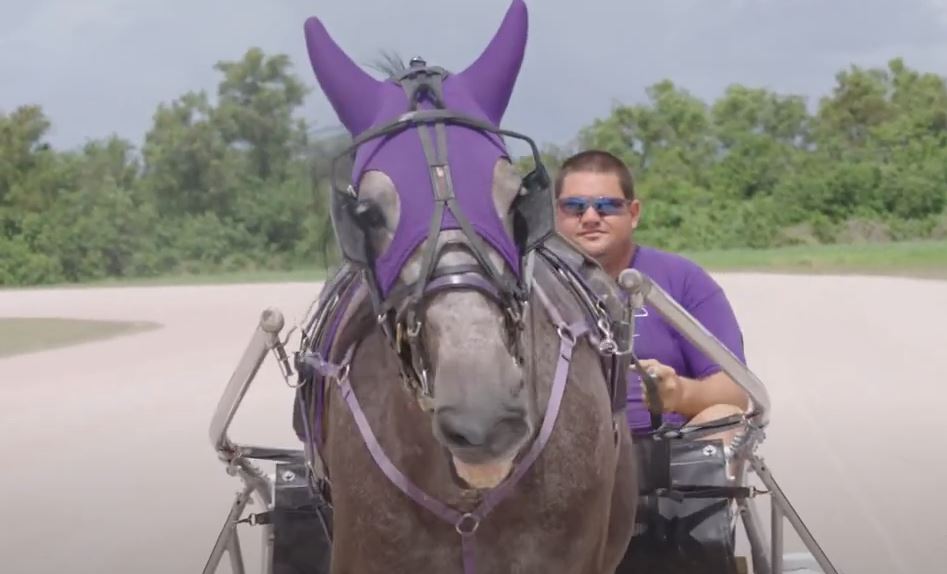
369	214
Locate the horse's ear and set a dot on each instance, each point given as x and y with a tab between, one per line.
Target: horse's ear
490	79
352	92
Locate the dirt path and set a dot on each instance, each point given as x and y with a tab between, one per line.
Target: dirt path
108	465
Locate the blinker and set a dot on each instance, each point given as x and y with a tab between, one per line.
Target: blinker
368	214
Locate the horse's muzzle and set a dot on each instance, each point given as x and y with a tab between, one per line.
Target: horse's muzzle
478	435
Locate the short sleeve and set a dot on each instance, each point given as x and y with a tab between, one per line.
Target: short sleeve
708	303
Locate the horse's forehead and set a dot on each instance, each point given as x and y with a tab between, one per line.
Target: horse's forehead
472	156
470	153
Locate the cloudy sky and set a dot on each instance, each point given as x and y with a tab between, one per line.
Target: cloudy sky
99	67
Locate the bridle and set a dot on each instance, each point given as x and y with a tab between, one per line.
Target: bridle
408	320
401	313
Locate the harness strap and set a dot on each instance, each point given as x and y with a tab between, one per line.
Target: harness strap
443	186
568	335
317	339
547	303
615	360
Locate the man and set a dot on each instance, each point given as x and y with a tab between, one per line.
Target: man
598	210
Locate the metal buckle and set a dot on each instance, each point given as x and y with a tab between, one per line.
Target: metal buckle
608	347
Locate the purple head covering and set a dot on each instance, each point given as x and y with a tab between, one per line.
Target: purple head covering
481	91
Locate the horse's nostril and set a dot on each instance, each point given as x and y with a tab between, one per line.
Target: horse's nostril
461	431
458	439
481	436
511	426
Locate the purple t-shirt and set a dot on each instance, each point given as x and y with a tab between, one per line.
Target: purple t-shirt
694	289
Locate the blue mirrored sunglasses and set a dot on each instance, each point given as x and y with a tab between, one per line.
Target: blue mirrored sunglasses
603	205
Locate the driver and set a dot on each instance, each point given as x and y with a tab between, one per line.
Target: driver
598	211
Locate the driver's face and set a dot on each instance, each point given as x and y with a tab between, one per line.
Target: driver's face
602	235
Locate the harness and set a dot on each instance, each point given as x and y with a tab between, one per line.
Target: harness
315	371
399	313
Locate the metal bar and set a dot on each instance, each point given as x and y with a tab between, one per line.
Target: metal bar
708	428
776	537
255	479
786	508
228	532
633	281
754	533
271	453
236	553
263	488
266	555
265	336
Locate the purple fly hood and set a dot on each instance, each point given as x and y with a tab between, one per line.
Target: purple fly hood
481	91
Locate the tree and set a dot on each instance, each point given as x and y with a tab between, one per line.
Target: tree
189	167
258	96
760	136
28	169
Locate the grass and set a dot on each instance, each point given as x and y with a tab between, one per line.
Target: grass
225	278
920	259
234	277
27	335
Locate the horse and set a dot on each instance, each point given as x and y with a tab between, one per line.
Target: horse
462	398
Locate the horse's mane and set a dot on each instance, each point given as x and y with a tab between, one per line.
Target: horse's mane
389	63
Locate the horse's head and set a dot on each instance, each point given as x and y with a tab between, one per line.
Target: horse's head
439	219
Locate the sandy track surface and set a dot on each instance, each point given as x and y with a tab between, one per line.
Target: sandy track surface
107	464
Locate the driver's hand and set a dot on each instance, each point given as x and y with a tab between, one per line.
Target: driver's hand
670	385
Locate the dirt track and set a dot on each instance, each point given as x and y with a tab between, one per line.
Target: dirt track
107	465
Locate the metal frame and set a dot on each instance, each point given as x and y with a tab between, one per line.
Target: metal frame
641	290
238	458
767	555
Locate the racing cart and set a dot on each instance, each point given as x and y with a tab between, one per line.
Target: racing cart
694	492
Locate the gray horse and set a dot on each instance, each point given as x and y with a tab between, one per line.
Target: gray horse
503	450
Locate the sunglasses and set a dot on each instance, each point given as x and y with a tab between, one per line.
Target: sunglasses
603	205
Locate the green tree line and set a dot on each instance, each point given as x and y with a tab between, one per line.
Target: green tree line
240	181
756	169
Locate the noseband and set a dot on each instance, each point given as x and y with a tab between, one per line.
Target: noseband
408	318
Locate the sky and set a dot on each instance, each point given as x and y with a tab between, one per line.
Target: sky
101	67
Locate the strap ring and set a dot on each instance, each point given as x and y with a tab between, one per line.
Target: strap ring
566	333
462	524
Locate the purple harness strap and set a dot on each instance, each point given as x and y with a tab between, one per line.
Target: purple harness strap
466	524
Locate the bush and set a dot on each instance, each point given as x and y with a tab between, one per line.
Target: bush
20	265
